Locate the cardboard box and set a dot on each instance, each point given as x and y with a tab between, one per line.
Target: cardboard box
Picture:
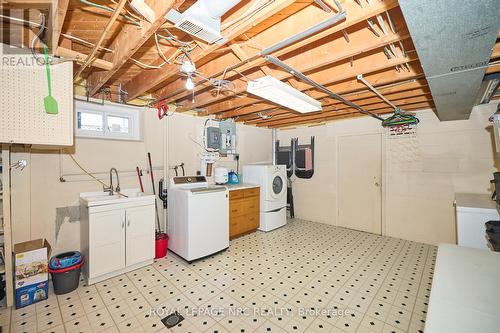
31	280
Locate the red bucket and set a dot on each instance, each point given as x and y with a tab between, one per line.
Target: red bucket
161	245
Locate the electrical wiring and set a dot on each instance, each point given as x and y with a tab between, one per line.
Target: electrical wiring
91	175
38	25
126	17
160	52
85	42
39	59
129	13
177	40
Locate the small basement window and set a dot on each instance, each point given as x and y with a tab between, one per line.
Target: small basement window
108	121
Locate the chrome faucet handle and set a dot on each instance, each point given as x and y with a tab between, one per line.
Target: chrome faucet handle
108	189
117	188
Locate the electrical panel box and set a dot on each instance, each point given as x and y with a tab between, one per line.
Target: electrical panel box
213	138
227	137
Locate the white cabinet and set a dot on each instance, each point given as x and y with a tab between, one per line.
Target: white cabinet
472	212
107	238
117	238
140	240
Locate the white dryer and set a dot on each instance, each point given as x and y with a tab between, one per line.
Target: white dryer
273	187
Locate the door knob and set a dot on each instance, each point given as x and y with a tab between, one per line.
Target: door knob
377	184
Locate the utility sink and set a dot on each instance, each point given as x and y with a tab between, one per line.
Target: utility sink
92	199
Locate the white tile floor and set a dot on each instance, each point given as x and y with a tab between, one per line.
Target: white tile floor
358	282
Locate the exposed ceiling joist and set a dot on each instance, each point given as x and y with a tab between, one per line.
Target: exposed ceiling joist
80	57
59	8
347	115
381	49
342	71
379	109
129	41
284	29
150	79
110	23
368	105
363	102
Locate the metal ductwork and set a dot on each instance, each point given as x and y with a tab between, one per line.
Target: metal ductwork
489	88
454	41
203	19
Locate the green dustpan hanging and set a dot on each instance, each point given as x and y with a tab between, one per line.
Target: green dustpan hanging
49	102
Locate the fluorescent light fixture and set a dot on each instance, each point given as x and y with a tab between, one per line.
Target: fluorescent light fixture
278	92
143	9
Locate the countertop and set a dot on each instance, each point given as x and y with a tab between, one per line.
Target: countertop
464	295
473	200
240	186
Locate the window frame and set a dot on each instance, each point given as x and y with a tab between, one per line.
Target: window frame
133	114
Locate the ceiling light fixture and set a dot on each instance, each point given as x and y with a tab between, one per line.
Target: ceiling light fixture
189	83
278	92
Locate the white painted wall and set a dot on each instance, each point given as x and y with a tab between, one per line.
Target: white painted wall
37	191
420	177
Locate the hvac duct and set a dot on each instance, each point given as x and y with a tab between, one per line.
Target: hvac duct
203	19
454	41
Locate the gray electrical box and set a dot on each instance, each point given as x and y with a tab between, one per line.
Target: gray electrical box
213	138
227	130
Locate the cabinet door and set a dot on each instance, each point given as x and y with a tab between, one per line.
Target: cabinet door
107	242
253	221
235	226
140	234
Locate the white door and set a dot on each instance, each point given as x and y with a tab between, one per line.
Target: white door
107	242
359	163
140	234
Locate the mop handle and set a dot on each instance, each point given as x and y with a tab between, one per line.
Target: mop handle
151	173
140	179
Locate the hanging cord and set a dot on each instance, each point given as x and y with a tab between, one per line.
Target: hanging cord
160	52
39	59
92	176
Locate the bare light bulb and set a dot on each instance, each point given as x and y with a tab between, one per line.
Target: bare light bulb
189	84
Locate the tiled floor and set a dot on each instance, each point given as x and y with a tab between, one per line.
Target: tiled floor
305	277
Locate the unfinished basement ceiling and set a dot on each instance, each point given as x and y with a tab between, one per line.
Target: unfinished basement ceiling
373	40
454	47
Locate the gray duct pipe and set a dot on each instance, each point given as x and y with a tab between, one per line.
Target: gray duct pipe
304	34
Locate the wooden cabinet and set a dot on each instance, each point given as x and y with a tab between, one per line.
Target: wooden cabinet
244	207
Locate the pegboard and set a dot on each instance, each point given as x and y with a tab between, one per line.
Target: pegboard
23	118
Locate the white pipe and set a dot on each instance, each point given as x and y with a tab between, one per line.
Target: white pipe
166	161
274	147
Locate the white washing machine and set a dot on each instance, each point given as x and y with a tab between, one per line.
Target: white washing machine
198	217
273	187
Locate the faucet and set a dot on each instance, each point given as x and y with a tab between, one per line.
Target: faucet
110	188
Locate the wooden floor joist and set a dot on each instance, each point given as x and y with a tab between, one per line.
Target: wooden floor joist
366	42
129	41
284	29
149	79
